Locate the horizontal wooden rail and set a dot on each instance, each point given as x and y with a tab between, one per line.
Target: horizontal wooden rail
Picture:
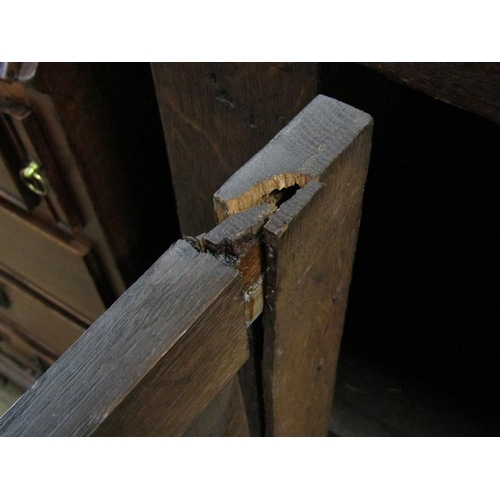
150	365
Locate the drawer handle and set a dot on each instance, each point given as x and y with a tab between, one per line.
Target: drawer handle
33	177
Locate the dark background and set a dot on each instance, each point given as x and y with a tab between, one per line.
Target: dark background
419	350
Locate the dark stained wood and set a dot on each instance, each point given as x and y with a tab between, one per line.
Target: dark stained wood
18	151
95	131
28	364
102	124
250	378
39	136
237	241
44	295
23	140
64	175
224	417
233	234
237	422
60	195
8	187
473	86
11	162
214	419
216	116
152	363
310	243
301	152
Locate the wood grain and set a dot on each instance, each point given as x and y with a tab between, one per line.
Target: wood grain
152	363
310	243
216	116
473	86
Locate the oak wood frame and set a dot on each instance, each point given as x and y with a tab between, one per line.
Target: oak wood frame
163	359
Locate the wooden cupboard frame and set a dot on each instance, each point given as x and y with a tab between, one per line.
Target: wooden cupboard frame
164	359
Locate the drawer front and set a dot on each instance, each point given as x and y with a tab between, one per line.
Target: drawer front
45	324
59	265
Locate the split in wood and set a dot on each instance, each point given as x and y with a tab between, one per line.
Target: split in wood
237	243
164	355
310	243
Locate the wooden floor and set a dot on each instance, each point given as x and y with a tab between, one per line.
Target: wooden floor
9	394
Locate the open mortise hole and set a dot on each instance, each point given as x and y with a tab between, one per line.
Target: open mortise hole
276	189
279	196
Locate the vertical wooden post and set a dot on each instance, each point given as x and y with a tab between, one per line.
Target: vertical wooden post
323	155
216	116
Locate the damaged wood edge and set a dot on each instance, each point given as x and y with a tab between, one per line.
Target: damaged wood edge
309	249
301	152
266	191
237	243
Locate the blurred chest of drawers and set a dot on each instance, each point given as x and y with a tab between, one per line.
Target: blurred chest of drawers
79	175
